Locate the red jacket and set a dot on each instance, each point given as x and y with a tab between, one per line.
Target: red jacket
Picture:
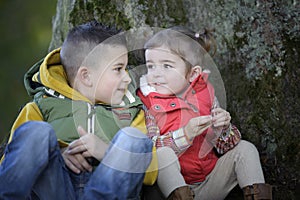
172	113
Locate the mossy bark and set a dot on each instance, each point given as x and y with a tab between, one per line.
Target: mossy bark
258	57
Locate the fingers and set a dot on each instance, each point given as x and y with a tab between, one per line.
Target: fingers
77	149
77	146
76	153
82	162
203	121
197	125
81	131
76	162
221	118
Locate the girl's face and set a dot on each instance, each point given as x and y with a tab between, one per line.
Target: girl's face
166	71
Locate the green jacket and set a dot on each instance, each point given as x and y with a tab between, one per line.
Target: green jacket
65	114
55	102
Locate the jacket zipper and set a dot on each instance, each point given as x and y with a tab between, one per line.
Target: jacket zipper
91	119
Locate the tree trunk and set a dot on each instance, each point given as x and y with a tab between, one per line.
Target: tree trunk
258	57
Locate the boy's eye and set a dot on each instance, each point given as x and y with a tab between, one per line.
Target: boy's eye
166	66
118	69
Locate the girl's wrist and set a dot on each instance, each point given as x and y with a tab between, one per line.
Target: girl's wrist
180	138
189	138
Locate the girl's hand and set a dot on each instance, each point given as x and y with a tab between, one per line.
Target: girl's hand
76	162
89	145
197	125
220	119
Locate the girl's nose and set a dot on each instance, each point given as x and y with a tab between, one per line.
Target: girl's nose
157	71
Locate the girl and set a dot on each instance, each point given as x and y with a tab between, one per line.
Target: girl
180	101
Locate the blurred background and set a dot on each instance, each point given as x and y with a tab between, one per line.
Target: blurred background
26	31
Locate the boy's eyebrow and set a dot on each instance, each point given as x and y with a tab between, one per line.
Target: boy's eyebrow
170	61
119	64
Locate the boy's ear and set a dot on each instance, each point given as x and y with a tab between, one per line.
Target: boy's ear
83	75
195	72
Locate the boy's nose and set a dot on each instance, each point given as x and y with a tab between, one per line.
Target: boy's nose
126	78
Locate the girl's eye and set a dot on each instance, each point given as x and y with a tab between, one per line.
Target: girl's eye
150	66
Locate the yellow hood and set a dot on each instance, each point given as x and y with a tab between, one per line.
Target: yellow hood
52	75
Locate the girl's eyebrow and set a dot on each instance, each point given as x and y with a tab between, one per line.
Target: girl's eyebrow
149	61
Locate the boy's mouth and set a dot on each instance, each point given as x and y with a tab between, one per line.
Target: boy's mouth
122	90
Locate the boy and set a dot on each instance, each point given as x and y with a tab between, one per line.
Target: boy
82	88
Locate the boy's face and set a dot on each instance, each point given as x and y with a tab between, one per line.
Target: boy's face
109	77
166	71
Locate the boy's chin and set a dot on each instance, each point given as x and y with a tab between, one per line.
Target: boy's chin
112	102
116	102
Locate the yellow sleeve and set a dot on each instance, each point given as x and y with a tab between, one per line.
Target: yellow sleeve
28	113
152	171
139	122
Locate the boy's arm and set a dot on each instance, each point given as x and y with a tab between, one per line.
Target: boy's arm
30	112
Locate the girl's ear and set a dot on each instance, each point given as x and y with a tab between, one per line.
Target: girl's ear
83	75
195	72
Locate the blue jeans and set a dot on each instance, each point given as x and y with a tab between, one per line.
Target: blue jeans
33	167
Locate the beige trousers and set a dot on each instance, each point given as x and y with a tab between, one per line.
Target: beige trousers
241	165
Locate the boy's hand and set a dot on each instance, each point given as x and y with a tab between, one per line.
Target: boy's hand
76	162
197	125
89	145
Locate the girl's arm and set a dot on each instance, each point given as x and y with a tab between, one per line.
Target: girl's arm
176	140
228	137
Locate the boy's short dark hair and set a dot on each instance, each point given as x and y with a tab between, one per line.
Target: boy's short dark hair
81	40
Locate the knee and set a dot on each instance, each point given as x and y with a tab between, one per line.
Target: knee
133	140
247	148
36	133
166	152
129	151
132	133
166	157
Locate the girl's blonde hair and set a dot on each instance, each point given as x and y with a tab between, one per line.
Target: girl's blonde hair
189	45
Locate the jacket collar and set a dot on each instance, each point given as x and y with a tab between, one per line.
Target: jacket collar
196	86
